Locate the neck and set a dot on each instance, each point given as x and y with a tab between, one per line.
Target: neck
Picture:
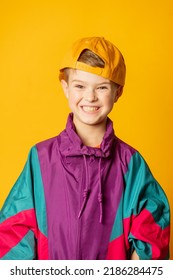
90	135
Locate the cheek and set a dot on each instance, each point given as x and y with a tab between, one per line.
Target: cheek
73	99
108	100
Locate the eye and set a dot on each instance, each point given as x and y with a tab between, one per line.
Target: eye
79	86
103	87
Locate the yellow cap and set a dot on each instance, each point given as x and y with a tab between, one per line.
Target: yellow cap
114	69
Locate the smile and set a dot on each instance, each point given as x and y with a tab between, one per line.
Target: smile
90	108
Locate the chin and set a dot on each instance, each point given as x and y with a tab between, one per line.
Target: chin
93	122
90	119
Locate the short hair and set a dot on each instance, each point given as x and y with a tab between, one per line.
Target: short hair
91	59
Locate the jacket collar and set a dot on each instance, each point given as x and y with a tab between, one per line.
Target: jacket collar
73	146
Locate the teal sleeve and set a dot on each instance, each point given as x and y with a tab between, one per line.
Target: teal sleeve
147	206
20	214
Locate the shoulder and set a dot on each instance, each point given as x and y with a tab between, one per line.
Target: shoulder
50	148
123	146
130	158
45	148
46	144
124	150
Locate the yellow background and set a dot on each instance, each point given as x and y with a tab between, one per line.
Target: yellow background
34	35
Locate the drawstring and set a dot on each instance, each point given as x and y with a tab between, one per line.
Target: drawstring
87	191
85	198
100	196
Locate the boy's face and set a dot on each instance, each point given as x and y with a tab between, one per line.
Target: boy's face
91	97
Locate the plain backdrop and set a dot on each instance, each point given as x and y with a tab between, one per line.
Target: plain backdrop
34	36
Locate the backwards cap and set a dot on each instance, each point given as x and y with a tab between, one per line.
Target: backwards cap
114	69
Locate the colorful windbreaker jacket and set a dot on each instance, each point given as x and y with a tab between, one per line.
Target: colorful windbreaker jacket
76	202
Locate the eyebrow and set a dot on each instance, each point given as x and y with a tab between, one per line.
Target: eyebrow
80	81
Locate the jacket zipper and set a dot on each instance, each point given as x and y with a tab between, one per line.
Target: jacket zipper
78	251
78	246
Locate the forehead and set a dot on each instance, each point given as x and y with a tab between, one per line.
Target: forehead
79	75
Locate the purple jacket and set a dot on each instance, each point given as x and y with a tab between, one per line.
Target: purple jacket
86	203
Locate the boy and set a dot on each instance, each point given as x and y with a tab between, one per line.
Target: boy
86	194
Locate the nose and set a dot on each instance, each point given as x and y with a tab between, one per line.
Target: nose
90	96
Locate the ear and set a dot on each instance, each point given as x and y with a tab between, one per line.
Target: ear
64	85
118	93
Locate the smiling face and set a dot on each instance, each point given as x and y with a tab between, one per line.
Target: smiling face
91	97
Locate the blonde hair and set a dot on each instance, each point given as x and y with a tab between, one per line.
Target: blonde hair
91	59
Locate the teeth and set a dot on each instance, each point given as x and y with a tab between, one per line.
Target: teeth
90	109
